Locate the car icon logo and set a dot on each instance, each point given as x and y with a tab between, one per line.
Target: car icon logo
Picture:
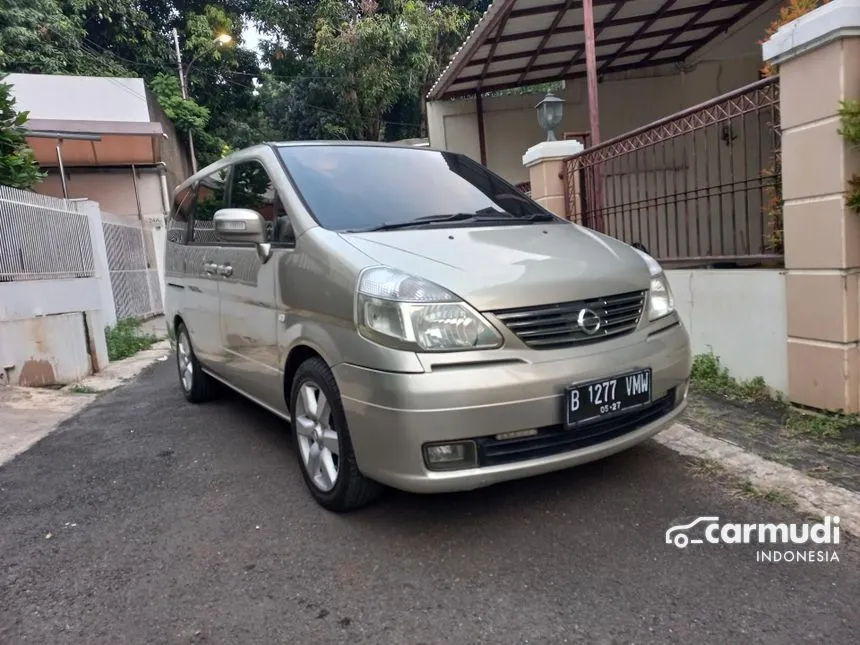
677	534
588	321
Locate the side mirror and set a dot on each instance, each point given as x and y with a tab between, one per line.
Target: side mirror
240	225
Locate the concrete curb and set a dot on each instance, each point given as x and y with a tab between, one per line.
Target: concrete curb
813	496
120	372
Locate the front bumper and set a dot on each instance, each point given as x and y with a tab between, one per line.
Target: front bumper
392	415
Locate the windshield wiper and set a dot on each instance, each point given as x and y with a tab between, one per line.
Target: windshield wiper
483	216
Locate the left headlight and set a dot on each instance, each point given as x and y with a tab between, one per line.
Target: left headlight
661	302
403	311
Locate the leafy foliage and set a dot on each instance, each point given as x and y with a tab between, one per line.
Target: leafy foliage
849	116
185	113
37	36
325	69
791	10
126	339
18	167
774	203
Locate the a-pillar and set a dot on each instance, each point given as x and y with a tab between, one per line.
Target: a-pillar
818	58
545	162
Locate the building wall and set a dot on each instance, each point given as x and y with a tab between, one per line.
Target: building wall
740	316
112	189
174	149
627	101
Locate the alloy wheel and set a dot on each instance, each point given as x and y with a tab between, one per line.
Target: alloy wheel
186	364
317	438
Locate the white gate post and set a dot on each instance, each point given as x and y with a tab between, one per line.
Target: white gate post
100	262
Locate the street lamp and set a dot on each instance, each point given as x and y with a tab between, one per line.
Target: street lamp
220	39
549	113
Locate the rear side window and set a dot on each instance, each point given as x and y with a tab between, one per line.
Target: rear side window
210	198
183	203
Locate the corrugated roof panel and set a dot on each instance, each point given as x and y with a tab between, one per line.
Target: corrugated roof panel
619	31
532	18
631	9
527	45
560	57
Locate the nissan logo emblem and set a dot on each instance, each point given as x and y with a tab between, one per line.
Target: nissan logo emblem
588	321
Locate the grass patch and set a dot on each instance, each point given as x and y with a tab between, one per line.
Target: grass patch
126	339
711	376
821	425
702	467
82	389
747	490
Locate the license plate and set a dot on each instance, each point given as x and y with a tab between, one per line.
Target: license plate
607	397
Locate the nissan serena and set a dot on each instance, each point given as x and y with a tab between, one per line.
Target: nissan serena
420	322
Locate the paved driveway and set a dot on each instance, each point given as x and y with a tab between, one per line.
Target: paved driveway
171	523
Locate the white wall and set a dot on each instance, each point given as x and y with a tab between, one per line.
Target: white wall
47	325
740	315
627	100
80	98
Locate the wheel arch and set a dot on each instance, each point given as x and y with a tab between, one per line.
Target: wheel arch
297	355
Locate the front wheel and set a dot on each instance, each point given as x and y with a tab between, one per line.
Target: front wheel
323	444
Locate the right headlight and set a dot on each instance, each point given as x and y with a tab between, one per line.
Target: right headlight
661	302
407	312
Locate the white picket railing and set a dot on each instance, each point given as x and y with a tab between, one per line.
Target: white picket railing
42	238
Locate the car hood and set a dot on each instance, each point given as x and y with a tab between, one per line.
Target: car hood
511	266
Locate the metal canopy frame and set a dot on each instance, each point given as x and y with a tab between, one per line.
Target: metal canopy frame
501	52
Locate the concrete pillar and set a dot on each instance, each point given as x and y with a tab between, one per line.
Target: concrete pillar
100	262
818	57
546	172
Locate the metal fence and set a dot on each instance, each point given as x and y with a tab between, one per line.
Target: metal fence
700	186
42	238
133	276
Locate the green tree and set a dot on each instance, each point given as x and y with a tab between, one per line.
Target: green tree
18	166
46	37
378	57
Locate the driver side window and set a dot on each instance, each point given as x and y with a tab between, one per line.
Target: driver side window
251	187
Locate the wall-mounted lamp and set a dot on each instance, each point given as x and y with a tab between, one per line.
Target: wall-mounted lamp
549	114
727	134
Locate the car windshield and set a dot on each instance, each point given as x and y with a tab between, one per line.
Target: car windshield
354	187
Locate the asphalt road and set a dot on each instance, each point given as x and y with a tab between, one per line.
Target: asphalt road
173	523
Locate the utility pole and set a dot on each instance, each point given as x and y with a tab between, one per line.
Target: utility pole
184	88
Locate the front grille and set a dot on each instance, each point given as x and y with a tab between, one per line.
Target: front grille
555	326
552	440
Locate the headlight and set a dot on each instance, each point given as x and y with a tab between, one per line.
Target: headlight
661	302
407	312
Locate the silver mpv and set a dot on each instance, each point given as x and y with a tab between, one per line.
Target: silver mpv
421	322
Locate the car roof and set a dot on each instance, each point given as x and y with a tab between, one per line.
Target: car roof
238	154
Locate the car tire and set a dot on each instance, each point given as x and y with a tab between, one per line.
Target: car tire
322	441
197	386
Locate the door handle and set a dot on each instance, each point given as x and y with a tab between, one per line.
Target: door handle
226	270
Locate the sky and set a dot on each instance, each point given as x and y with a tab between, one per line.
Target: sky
251	37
